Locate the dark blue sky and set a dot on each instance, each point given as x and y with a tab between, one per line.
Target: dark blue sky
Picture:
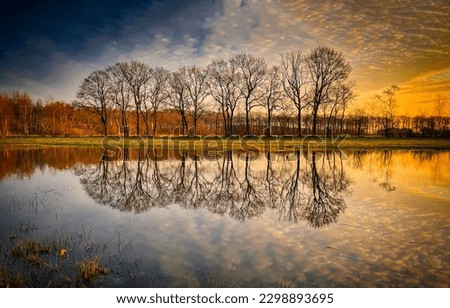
48	47
33	31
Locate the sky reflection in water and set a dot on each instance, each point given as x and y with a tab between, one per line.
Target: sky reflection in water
373	218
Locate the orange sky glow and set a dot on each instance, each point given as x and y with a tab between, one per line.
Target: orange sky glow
402	42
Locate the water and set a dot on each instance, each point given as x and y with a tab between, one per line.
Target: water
178	218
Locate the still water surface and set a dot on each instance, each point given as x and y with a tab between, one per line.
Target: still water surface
176	219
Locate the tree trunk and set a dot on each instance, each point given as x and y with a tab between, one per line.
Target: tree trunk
195	118
341	124
314	123
184	125
225	123
146	118
124	124
147	129
299	121
137	121
154	125
105	126
217	123
247	120
231	125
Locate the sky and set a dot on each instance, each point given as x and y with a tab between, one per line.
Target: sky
48	47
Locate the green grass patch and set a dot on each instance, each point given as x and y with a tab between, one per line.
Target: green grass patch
232	143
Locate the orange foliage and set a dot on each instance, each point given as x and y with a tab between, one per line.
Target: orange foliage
23	163
7	118
20	115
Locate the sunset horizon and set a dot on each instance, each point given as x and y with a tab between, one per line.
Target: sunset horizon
231	152
48	49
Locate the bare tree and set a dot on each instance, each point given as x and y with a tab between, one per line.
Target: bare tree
294	82
253	70
339	98
156	96
23	110
137	75
273	95
94	95
359	119
7	116
439	109
326	67
388	106
224	81
373	108
179	97
121	94
197	87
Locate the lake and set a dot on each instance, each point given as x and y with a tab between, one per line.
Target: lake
177	218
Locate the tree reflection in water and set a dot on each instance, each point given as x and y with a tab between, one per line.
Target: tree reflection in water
301	186
387	161
325	201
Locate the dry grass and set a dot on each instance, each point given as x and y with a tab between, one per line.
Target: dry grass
26	261
88	271
10	280
208	281
31	250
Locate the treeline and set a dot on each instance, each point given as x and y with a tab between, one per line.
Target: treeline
305	94
20	115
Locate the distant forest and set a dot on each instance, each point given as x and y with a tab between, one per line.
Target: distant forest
306	94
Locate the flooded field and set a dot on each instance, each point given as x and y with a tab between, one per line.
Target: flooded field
178	218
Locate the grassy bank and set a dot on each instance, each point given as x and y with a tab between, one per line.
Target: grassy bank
234	143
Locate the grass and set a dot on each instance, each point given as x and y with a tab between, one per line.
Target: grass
60	268
11	280
27	261
255	143
88	271
31	250
208	281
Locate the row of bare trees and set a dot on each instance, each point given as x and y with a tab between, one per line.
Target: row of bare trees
304	94
313	82
380	116
21	115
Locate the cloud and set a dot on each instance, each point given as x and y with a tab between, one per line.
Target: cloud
51	62
386	42
260	27
418	94
61	83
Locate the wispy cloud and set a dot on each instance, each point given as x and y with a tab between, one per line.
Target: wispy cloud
386	41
